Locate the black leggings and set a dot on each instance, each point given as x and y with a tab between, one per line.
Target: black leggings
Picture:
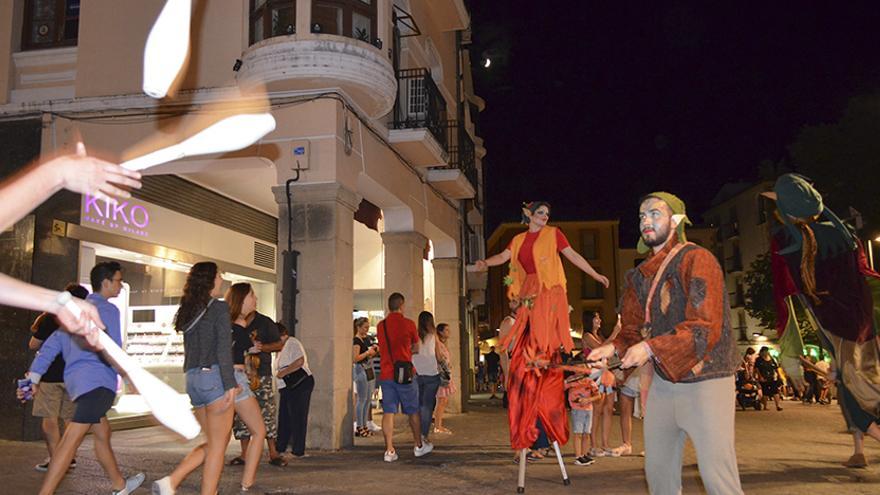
293	420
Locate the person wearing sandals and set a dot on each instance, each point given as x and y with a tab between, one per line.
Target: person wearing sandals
362	373
427	371
210	379
242	301
447	385
52	404
603	410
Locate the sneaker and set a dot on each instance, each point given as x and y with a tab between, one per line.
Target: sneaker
584	460
622	450
856	461
163	487
597	452
425	449
373	426
390	456
131	484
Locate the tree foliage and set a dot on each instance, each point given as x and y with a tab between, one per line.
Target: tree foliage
759	291
760	304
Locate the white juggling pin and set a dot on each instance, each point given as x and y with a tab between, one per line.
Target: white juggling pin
170	408
230	134
166	47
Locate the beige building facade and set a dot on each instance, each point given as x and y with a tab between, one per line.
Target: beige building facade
373	174
741	215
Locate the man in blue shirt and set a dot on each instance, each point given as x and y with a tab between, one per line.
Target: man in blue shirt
91	383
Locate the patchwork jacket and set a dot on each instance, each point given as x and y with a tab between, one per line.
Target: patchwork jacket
689	335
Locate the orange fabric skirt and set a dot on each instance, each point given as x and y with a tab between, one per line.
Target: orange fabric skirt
541	331
545	311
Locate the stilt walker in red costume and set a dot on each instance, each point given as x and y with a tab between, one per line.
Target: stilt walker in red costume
536	278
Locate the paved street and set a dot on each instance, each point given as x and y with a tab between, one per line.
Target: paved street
795	451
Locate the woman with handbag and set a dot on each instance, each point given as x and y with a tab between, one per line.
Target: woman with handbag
242	301
447	386
293	368
363	375
210	380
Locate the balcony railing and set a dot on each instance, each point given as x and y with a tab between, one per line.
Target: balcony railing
462	153
420	105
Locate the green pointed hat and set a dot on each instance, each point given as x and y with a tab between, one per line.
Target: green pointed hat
678	209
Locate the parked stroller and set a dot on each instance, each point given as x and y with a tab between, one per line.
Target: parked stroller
747	392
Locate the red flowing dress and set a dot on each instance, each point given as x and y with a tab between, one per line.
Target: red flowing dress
537	394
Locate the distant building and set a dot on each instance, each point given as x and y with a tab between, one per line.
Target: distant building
597	242
740	215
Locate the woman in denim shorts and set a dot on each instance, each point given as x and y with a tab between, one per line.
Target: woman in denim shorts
210	382
242	301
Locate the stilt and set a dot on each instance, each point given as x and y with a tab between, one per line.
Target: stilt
521	481
565	480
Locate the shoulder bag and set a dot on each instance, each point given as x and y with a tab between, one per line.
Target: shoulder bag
403	370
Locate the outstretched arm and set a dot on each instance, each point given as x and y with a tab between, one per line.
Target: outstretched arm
579	261
498	259
78	173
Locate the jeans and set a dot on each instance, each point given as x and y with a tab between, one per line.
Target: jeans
293	431
428	386
364	391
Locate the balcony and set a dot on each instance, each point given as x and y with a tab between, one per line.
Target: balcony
319	62
419	128
457	179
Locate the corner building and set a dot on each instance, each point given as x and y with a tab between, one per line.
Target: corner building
373	173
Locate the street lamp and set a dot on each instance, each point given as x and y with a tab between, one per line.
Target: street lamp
871	250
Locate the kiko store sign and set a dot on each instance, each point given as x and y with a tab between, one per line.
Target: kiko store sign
128	217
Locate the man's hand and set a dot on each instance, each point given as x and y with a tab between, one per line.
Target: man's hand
636	356
481	265
602	352
602	279
87	325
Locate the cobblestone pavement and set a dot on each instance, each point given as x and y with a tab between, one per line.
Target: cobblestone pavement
796	451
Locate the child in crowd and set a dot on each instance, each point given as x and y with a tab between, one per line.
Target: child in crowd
582	392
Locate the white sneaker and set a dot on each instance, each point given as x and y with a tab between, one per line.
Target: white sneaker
373	426
131	484
163	487
425	449
390	456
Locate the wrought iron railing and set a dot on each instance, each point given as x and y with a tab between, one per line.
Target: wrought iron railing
419	104
462	152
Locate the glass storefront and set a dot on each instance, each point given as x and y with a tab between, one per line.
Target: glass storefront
149	299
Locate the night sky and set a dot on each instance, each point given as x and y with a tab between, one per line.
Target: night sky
592	104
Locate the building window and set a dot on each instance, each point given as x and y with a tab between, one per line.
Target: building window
50	24
270	18
589	244
590	289
351	18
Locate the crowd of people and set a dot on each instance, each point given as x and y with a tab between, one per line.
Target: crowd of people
228	348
